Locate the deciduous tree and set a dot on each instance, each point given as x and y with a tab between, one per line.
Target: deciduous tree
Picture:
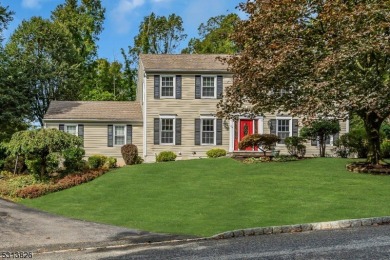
159	34
327	57
42	60
214	36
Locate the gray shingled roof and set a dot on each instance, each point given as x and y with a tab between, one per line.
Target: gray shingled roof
183	62
94	110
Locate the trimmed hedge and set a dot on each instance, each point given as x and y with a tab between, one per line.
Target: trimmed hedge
166	156
216	152
96	161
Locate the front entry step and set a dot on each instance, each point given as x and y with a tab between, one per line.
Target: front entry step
249	154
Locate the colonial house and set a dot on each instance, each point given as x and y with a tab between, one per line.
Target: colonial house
175	111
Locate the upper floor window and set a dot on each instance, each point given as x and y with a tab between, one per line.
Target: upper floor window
209	86
168	86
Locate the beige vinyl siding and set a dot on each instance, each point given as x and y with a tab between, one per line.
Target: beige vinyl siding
187	108
95	138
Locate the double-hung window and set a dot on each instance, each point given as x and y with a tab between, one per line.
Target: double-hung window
71	129
208	130
283	129
167	130
119	134
209	86
168	86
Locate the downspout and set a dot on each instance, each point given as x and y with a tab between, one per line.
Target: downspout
144	153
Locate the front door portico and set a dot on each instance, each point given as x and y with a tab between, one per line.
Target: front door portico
245	126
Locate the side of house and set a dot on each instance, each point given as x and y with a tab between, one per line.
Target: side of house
105	126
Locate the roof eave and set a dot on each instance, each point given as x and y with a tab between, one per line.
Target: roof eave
188	71
92	120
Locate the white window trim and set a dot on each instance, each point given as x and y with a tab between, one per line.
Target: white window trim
77	128
201	130
215	87
174	86
113	135
290	126
174	129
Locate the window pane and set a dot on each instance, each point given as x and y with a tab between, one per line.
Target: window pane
119	135
119	140
119	130
208	86
208	131
71	129
283	129
167	129
167	86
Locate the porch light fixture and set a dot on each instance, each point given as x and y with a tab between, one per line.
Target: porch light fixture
271	127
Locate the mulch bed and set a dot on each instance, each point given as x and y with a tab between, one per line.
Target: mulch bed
364	167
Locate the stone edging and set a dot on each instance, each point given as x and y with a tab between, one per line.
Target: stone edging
303	227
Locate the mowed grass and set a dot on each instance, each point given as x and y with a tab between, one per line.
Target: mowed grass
208	196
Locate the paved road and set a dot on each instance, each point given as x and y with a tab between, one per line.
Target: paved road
354	243
27	229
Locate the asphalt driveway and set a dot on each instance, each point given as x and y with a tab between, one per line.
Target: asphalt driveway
27	229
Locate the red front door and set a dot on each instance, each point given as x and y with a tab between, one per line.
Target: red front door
245	127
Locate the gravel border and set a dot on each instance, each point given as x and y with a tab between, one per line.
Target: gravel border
339	224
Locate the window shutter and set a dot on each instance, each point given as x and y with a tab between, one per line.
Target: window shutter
295	127
81	131
272	126
178	86
178	131
156	86
197	131
110	136
219	87
219	132
129	134
198	82
157	131
61	127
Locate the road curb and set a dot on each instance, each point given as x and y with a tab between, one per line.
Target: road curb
329	225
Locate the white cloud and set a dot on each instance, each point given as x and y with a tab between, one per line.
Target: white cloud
32	4
121	14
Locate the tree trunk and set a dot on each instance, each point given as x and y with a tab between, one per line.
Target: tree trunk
322	145
372	124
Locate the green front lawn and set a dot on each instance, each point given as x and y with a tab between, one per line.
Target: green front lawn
208	196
